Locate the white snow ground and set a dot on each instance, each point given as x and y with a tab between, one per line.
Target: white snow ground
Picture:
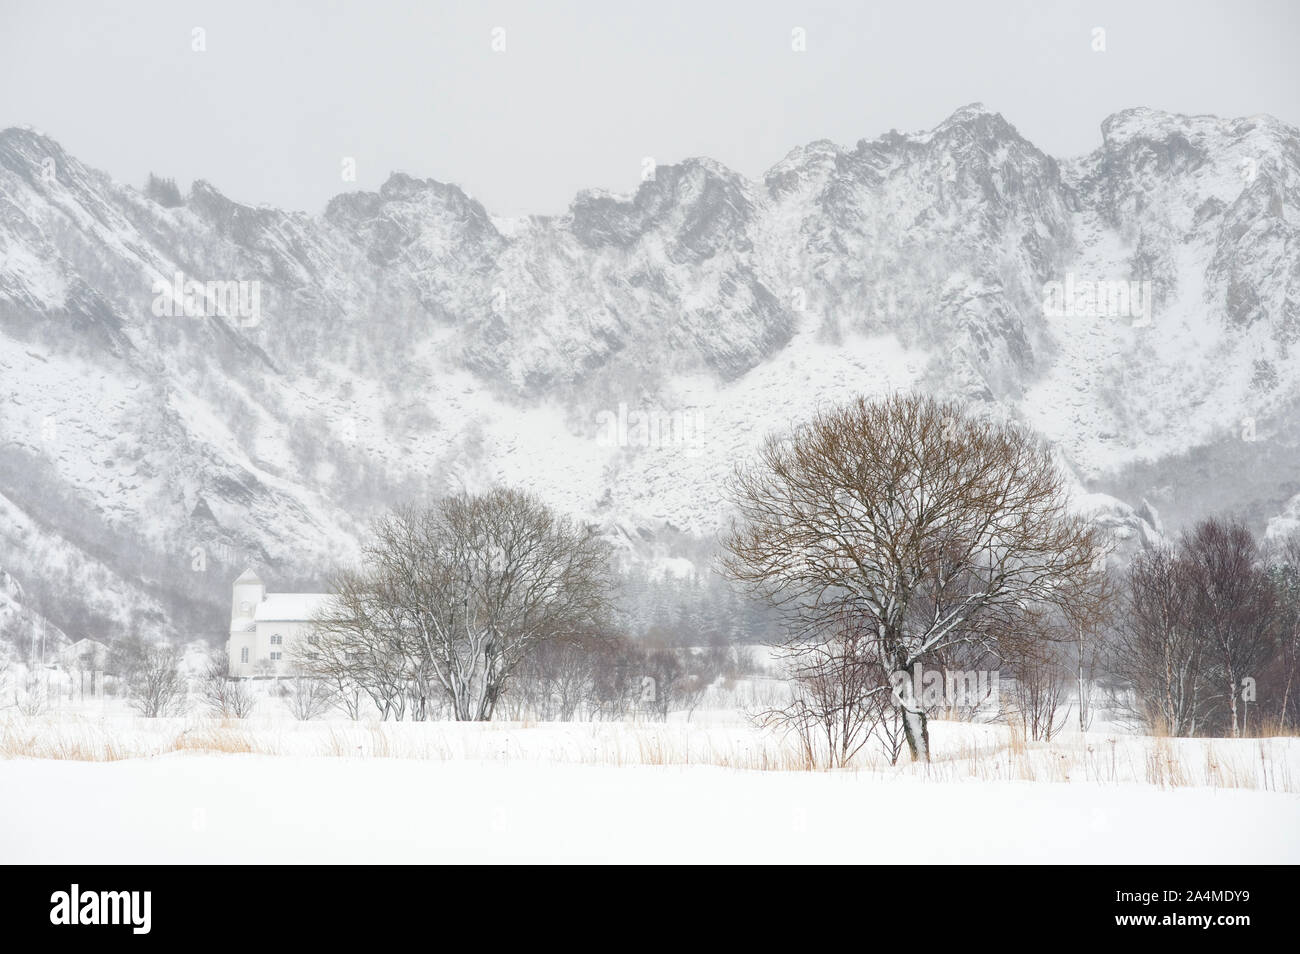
246	809
108	787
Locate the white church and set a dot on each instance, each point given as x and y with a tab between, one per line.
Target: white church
264	627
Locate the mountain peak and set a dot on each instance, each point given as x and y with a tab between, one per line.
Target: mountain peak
816	152
968	113
710	166
25	134
976	117
1143	122
32	144
400	185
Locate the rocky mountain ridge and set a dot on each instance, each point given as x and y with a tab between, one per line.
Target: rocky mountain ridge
407	342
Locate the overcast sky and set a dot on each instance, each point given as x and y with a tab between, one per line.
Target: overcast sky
584	91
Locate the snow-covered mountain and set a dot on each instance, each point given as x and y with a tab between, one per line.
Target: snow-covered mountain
617	358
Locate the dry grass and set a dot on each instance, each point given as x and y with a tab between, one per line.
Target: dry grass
1163	768
992	754
31	745
1272	729
219	738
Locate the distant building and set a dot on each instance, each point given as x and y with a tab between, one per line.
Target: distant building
264	627
85	655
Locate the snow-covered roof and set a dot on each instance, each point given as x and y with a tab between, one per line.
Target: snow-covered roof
248	576
86	643
290	607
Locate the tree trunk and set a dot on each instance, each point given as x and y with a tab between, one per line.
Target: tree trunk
918	734
1232	703
1083	695
914	721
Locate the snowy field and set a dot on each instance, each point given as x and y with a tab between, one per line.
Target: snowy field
245	809
108	787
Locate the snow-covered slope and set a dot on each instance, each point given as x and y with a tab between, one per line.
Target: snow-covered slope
618	357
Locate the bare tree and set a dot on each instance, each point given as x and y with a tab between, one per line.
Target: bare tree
1039	689
31	693
1286	584
451	599
702	669
308	698
617	675
927	526
966	695
1157	651
222	694
328	656
1089	651
354	652
889	731
1233	605
666	675
151	671
557	678
841	696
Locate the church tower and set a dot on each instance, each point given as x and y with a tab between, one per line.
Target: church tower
248	593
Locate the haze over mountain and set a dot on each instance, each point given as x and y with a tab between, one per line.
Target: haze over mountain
407	342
